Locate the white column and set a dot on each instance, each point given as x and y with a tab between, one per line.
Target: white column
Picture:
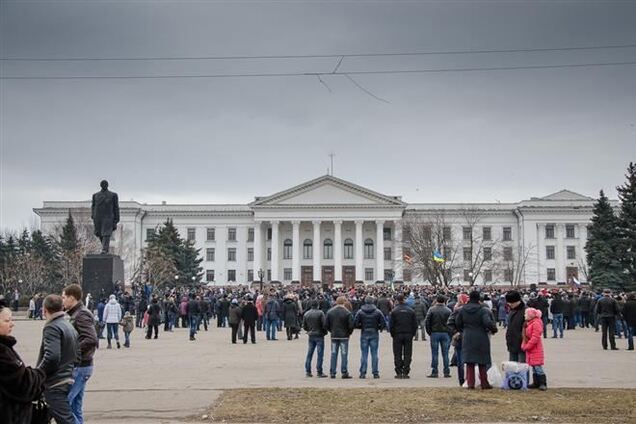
379	251
581	234
296	250
559	254
317	251
258	250
359	252
397	268
337	250
275	252
540	251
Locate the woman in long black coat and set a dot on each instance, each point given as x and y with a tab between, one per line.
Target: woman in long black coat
290	316
476	323
19	384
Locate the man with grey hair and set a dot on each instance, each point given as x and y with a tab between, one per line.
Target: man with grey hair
58	354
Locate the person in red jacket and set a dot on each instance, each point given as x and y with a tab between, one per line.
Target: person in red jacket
532	345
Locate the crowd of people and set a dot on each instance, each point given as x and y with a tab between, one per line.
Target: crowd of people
458	318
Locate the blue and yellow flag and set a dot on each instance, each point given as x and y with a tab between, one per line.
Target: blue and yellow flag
437	257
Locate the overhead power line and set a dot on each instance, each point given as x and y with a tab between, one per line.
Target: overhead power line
316	56
296	74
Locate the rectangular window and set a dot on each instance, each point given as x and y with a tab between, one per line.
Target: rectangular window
571	252
231	254
192	234
467	275
549	252
250	275
468	254
269	253
549	231
209	275
589	231
407	275
386	233
448	253
348	250
426	233
368	274
231	234
467	233
210	234
447	233
487	276
569	230
507	254
250	235
327	250
507	233
269	275
551	274
287	274
369	252
287	250
388	275
209	255
508	275
269	234
387	253
149	233
231	275
487	233
250	255
308	250
487	253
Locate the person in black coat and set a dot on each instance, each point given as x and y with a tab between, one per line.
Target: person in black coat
514	332
249	314
290	317
403	327
629	315
19	384
475	322
154	318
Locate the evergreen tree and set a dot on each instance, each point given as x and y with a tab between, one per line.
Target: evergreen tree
69	241
168	255
602	246
627	227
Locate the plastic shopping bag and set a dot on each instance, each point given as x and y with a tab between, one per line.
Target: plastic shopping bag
494	377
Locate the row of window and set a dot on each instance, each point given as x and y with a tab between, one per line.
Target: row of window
486	233
287	274
210	253
569	250
231	234
570	231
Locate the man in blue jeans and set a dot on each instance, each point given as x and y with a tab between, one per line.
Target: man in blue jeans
556	309
272	311
84	323
370	320
436	323
629	314
339	323
315	326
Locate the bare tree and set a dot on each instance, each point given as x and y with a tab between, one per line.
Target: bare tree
514	266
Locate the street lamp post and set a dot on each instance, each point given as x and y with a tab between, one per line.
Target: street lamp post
176	280
260	277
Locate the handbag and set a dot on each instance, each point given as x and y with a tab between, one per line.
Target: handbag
40	411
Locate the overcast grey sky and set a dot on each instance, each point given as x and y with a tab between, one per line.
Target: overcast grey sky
457	136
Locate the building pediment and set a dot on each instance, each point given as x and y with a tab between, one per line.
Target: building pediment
327	190
566	195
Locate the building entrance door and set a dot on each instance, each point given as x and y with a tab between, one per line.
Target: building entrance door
348	276
327	275
306	275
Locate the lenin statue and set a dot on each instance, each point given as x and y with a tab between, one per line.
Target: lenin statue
105	214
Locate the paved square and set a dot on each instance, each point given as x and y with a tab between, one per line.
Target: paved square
167	379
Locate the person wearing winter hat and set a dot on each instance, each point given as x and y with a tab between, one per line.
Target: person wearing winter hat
514	332
456	336
532	345
234	318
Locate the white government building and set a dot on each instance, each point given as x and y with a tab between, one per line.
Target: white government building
328	229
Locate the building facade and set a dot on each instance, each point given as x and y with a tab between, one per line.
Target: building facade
329	230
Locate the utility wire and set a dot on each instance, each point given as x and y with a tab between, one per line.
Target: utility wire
309	56
295	74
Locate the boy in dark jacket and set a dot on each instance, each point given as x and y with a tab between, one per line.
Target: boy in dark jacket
370	320
403	326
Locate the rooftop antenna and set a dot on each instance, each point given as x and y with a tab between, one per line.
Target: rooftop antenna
331	156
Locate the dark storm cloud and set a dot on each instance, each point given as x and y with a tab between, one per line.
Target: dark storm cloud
443	137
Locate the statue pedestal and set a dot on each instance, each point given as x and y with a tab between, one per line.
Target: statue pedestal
100	275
